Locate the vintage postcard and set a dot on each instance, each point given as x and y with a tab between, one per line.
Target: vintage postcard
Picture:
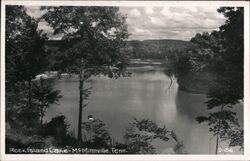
124	80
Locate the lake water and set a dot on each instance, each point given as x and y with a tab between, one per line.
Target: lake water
144	95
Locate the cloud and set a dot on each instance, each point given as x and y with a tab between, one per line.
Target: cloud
193	9
166	12
176	14
171	22
134	13
168	22
142	32
158	21
149	10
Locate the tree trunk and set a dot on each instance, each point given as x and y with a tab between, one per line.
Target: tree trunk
79	136
217	138
42	103
29	94
41	123
218	133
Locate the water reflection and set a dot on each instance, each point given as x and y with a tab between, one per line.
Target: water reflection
144	95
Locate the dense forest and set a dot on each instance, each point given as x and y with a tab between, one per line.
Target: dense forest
156	49
211	63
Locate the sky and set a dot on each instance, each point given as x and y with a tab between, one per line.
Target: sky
180	23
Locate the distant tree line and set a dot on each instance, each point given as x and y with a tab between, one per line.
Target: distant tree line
155	49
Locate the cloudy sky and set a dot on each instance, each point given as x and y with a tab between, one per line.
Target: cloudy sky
180	23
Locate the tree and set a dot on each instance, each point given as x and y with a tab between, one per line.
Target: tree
93	36
203	55
220	124
227	87
229	68
25	57
98	134
141	133
44	95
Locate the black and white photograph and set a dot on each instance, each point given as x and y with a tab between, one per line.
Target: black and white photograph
124	78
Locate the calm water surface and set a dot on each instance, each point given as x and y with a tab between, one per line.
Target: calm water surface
144	95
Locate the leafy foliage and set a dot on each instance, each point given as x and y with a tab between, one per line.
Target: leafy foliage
179	147
17	113
225	117
227	67
97	132
141	133
94	37
25	58
236	137
202	57
25	54
44	95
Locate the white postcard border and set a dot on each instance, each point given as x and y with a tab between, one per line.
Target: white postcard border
244	4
